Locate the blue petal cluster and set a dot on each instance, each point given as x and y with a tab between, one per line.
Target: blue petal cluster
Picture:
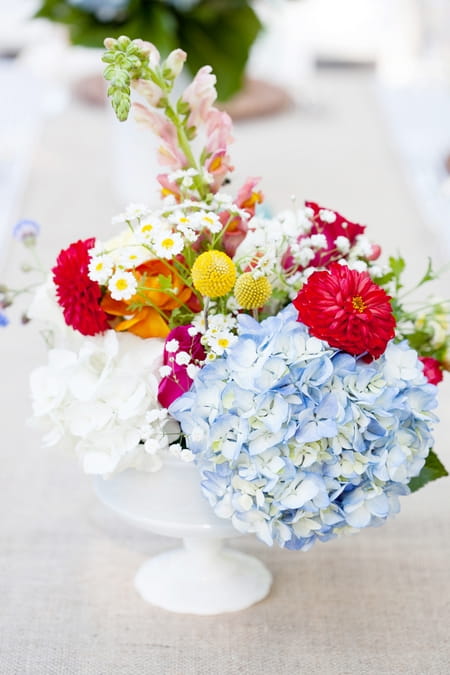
299	442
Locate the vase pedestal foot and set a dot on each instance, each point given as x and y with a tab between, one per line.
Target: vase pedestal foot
203	578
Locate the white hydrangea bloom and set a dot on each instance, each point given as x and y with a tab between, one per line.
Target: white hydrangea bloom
44	309
102	397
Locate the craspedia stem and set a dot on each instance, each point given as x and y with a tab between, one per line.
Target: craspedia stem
205	311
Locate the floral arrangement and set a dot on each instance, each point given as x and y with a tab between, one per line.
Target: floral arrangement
279	354
199	26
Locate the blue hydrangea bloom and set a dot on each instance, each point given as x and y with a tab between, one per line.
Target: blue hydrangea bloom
299	442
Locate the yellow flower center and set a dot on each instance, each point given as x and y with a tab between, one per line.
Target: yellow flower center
121	284
213	274
147	228
223	342
252	293
358	304
167	243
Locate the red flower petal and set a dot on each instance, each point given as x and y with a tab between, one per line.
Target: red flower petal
432	369
77	294
346	309
179	382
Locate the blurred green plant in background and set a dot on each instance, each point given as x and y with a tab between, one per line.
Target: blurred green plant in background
219	33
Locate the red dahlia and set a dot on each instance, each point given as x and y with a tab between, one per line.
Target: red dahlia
78	295
347	309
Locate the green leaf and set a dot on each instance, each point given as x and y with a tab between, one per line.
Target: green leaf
164	283
384	279
397	265
432	470
417	339
215	32
220	35
429	274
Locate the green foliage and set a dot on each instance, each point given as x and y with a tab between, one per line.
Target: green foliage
220	33
432	470
180	316
424	327
215	32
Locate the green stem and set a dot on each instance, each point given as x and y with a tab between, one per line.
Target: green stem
205	311
186	148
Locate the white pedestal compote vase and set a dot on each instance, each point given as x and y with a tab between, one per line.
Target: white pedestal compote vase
202	577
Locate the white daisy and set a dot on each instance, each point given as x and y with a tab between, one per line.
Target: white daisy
219	341
132	256
208	220
168	244
222	199
188	233
147	228
100	268
136	211
122	285
181	219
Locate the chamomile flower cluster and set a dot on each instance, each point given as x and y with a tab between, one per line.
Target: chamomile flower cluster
150	235
218	335
299	442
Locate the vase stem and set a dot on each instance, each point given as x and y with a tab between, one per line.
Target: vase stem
202	547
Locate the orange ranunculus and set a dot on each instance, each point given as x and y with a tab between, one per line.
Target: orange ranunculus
148	322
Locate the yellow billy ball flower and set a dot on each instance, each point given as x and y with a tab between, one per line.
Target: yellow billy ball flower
213	274
252	293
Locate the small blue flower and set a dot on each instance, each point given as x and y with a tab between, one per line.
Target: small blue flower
4	321
26	231
298	442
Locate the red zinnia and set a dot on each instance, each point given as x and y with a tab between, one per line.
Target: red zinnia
347	309
78	295
432	369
